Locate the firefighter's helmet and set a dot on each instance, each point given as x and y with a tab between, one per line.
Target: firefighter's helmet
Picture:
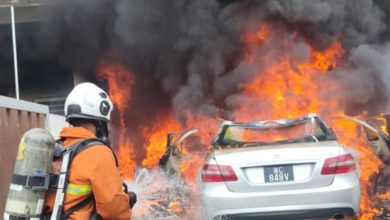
88	101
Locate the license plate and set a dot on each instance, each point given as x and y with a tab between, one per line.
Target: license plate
278	173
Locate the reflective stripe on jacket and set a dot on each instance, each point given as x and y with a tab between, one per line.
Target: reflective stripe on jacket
93	171
78	190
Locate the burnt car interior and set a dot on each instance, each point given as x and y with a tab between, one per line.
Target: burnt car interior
174	146
380	144
307	129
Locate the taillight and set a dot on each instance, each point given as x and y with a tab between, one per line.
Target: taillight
218	173
339	164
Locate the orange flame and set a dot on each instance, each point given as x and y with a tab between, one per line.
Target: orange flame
382	123
190	168
207	128
156	136
255	38
175	207
325	60
384	196
369	164
288	90
119	82
288	87
284	87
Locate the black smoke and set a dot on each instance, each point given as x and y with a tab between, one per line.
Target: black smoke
188	54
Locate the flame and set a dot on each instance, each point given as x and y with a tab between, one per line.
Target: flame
156	138
290	90
384	196
194	159
280	86
325	60
255	38
382	123
190	168
287	87
175	207
119	81
156	142
207	127
368	162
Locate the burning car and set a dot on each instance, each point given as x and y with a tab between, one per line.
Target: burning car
374	132
282	169
175	153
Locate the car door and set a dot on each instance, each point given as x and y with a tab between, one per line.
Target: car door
379	142
175	151
374	137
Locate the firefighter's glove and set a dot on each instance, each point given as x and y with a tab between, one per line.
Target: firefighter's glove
132	199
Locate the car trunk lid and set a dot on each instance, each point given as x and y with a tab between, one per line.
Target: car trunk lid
278	167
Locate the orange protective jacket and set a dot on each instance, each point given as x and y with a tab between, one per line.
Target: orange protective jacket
93	171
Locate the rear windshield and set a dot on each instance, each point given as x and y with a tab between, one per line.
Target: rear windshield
307	130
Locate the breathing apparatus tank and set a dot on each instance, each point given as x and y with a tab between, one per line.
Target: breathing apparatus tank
30	180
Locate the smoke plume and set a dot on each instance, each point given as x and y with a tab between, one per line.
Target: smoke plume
190	52
188	55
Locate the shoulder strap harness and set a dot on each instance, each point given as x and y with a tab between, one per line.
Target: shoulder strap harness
68	155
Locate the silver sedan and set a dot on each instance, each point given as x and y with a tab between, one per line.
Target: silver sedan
279	169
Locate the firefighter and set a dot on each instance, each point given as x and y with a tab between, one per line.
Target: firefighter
94	184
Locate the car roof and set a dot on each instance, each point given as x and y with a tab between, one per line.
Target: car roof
270	123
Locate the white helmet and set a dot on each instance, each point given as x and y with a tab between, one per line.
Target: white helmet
86	100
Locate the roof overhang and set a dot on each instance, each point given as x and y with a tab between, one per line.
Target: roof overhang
25	11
